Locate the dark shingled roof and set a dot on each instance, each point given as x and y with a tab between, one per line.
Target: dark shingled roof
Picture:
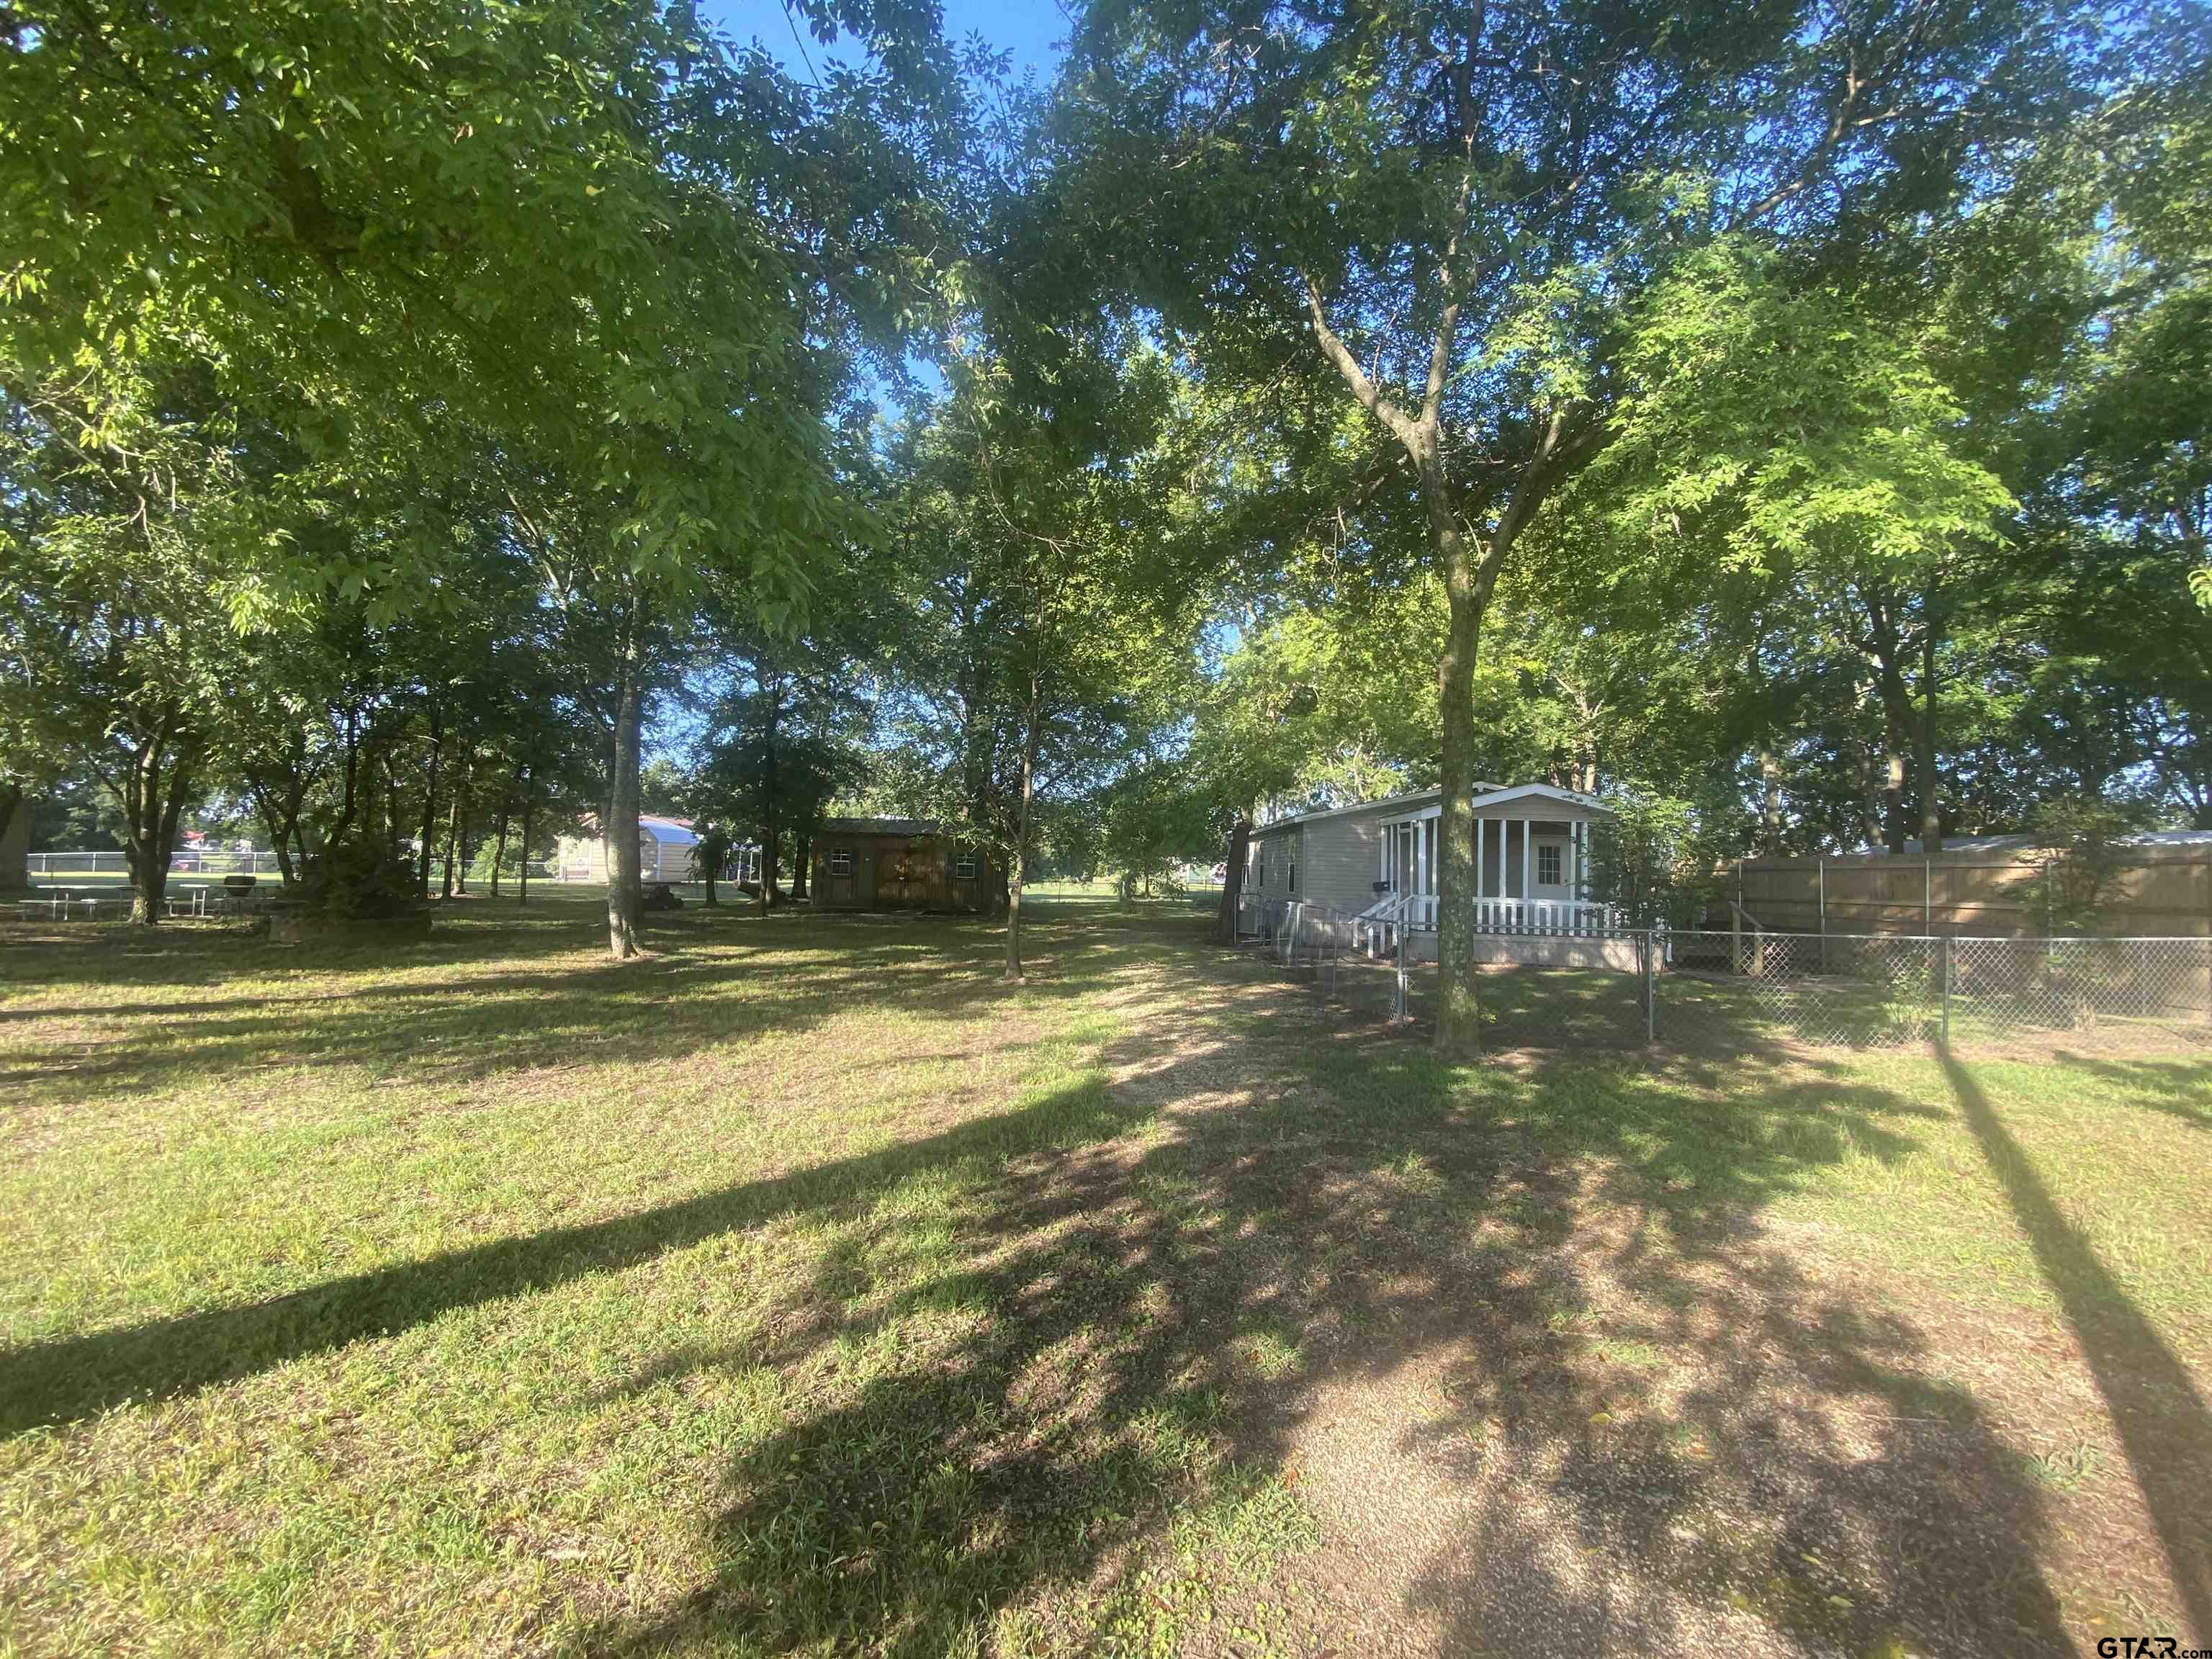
876	827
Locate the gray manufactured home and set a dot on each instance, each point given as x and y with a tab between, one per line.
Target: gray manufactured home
1375	863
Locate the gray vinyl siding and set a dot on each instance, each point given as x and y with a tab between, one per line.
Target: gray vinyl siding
1269	875
1341	858
1338	854
1337	859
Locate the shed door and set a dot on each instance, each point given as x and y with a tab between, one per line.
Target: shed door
853	883
903	877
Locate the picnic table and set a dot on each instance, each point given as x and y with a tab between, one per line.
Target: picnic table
62	903
234	894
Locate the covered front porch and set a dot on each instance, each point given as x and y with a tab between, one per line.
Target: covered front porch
1532	857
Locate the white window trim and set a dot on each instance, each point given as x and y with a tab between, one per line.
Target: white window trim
836	854
1554	854
963	869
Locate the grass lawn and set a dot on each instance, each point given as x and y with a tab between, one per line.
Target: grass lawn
804	1289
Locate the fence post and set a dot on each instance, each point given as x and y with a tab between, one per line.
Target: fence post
1820	862
1946	993
1650	986
1927	896
1398	1000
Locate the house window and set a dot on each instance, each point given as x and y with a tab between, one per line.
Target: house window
1260	867
1547	865
840	861
963	869
1292	871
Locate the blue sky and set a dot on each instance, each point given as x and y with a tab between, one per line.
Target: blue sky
1032	32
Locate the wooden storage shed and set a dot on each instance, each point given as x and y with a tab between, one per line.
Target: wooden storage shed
895	864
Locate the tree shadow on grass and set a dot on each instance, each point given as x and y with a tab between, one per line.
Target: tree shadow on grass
1125	1344
2162	1420
2179	1088
709	981
62	1381
1073	1389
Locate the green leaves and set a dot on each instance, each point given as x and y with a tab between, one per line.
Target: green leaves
1789	423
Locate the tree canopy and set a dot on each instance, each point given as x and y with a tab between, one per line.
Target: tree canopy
417	419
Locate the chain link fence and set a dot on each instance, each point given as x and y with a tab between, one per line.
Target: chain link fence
1375	969
1744	991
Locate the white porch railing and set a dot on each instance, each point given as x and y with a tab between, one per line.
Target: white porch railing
1548	918
1558	918
1376	929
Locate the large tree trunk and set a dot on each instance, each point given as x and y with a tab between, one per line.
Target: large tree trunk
522	868
453	843
1468	587
1459	1013
769	863
1895	831
625	894
802	854
280	830
395	828
1232	880
156	889
281	806
1885	643
429	805
151	806
464	848
768	848
1770	802
141	814
499	847
1931	794
1870	830
350	797
1017	865
15	879
767	872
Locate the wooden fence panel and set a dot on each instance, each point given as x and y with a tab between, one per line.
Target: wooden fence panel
2167	893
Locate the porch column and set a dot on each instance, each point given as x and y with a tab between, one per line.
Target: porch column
1575	833
1478	859
1528	863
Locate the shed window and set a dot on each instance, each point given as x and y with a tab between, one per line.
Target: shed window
1291	871
1548	864
1260	867
840	861
963	869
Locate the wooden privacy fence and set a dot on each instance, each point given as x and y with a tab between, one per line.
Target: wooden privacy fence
2164	892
